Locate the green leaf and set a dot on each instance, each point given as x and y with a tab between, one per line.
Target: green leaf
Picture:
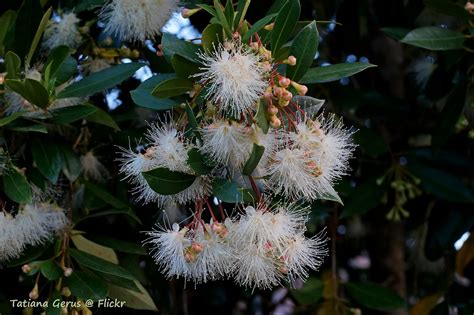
310	293
53	309
16	187
56	58
196	162
6	120
29	128
172	45
375	297
92	248
211	37
71	114
166	182
220	15
172	87
229	191
13	64
304	48
7	20
39	32
125	211
101	117
193	124
105	195
50	270
371	142
72	167
334	72
242	8
396	33
31	90
285	23
365	197
331	195
257	26
143	98
86	286
152	82
448	8
48	158
261	116
434	38
209	9
84	5
134	300
254	159
183	67
101	80
95	263
120	245
65	70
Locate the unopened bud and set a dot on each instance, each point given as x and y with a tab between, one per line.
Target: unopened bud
277	91
66	292
26	268
269	27
272	110
236	35
287	95
186	13
469	7
67	272
125	52
284	82
275	122
282	102
34	294
197	248
301	89
254	45
291	61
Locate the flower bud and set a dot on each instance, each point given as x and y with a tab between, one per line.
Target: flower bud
287	95
291	61
67	272
275	122
277	91
196	247
269	27
186	13
26	268
108	41
254	45
301	89
34	294
284	82
272	110
66	292
282	102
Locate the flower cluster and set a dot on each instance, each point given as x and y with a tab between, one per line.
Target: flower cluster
63	30
33	225
261	248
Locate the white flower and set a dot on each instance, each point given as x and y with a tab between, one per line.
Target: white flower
235	78
93	168
227	142
62	31
422	69
10	245
137	19
168	248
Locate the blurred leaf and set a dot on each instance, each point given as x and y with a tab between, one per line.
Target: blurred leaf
366	196
396	33
12	64
304	48
118	281
331	196
6	120
7	20
371	142
27	21
183	67
101	117
51	270
448	8
211	37
16	187
71	114
334	72
92	248
86	286
72	167
257	26
29	128
254	159
126	211
52	310
28	255
172	45
374	296
120	245
84	5
166	182
94	263
134	300
425	305
100	81
172	87
39	33
48	158
310	293
221	17
261	116
229	191
434	38
31	90
105	195
285	23
196	162
144	99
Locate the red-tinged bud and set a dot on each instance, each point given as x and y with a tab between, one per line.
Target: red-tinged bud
236	35
275	122
197	247
254	45
277	91
272	110
284	82
291	61
301	89
283	269
287	95
26	268
186	13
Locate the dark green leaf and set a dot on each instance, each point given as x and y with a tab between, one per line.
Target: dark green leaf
152	82
242	8
95	263
13	64
51	270
366	196
261	116
39	33
375	297
334	72
166	182
84	5
48	158
101	80
105	195
31	90
229	191
125	211
211	37
434	38
7	20
257	27
6	120
183	67
285	23
103	118
172	45
66	70
172	87
86	286
120	245
144	99
29	128
304	48
73	113
448	8
54	298
310	293
72	167
371	142
254	159
56	58
221	17
396	33
196	162
26	24
16	187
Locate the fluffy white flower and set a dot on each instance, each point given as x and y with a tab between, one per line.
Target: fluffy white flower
235	78
93	168
137	19
10	245
62	31
422	69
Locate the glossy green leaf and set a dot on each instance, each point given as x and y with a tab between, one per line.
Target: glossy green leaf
16	187
304	48
257	26
221	17
50	270
166	182
106	196
120	245
125	211
366	196
196	162
152	82
72	167
434	38
31	90
173	45
334	72
310	293
241	11
134	300
254	159
95	263
39	33
85	286
229	191
8	119
48	158
375	297
7	20
183	67
143	98
118	281
12	64
73	113
29	128
101	117
101	80
211	37
56	58
172	87
65	70
285	23
261	116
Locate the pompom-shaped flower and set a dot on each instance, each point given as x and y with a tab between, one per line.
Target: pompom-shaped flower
235	78
137	20
62	31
